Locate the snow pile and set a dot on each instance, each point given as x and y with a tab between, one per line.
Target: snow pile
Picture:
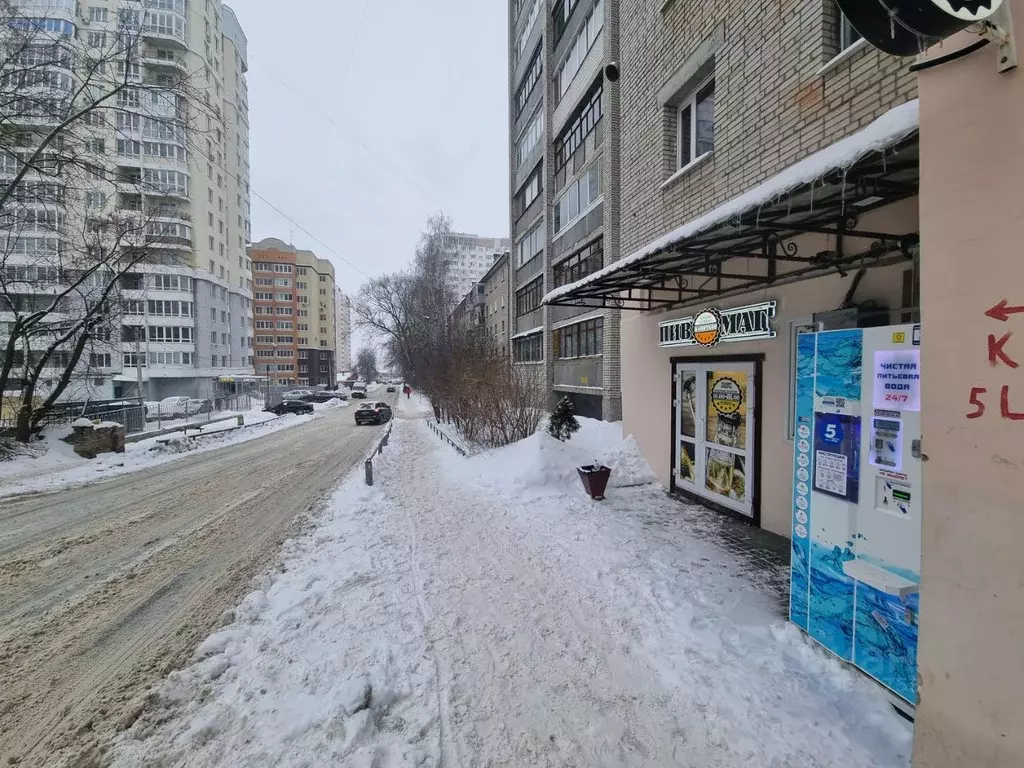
541	464
336	402
325	662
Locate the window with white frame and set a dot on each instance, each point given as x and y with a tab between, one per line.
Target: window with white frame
578	198
847	34
530	138
530	245
590	30
524	34
696	124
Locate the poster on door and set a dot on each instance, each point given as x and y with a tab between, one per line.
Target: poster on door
689	395
688	463
725	474
727	403
837	455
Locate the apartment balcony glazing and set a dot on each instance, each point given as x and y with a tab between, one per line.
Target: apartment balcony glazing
158	21
65	10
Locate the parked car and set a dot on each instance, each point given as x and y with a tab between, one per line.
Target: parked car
175	407
200	406
373	413
299	394
289	406
392	388
322	396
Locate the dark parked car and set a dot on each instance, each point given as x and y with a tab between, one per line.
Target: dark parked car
392	388
290	406
373	413
200	406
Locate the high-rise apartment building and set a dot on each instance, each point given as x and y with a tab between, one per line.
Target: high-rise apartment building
474	255
343	330
564	160
172	150
294	316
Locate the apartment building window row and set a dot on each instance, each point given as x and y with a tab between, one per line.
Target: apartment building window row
584	339
170	334
171	358
531	245
530	138
265	339
264	325
172	283
696	124
169	308
529	192
561	13
585	39
529	349
530	80
284	325
578	129
528	297
524	34
583	262
261	296
578	198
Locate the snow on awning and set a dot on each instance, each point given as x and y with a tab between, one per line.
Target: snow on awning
524	334
823	193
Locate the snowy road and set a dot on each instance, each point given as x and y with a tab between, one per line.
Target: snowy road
105	588
444	619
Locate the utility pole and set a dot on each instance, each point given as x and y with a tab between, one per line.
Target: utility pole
138	365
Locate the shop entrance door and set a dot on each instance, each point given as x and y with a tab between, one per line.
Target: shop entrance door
714	432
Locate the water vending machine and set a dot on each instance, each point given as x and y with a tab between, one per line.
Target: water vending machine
857	498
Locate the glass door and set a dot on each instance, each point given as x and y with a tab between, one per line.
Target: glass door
715	432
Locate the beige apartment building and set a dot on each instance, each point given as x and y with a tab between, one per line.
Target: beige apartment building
294	321
496	311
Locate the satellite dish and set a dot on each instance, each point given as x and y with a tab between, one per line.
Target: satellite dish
908	27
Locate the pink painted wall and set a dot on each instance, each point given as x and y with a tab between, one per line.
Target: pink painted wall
971	666
646	374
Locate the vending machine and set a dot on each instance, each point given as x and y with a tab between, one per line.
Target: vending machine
857	498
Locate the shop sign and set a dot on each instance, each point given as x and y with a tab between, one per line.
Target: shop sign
711	326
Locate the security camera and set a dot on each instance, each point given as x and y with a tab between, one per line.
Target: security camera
611	72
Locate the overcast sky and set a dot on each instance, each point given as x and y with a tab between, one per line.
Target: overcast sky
368	116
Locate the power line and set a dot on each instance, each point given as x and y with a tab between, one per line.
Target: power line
355	44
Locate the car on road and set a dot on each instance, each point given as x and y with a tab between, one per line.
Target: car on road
373	413
298	394
392	388
358	390
289	406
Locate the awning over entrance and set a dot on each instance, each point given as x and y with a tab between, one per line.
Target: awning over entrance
826	193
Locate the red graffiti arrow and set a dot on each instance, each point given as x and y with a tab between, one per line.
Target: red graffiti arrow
1002	312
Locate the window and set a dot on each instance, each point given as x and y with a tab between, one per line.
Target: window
530	138
284	325
590	30
97	14
283	296
170	334
264	324
169	308
323	369
303	354
301	285
284	311
133	360
578	129
530	80
696	124
561	14
285	339
323	342
577	198
529	349
585	261
528	297
524	34
580	340
530	245
97	360
303	340
99	40
847	34
172	283
213	338
529	192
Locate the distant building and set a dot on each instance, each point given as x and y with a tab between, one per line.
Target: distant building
496	309
468	314
294	314
343	329
474	255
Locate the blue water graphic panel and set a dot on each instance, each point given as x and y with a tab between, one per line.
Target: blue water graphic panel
804	428
886	646
831	600
839	362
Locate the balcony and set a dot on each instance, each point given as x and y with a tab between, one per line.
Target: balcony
165	63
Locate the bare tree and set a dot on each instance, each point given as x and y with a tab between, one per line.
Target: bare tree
366	364
76	225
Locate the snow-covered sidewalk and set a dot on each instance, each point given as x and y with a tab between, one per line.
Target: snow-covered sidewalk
484	612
